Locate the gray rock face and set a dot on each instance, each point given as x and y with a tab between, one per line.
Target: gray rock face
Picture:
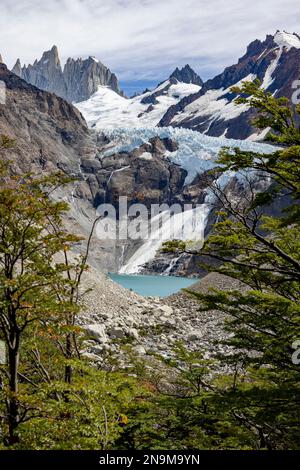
82	78
49	132
46	73
187	75
77	81
17	68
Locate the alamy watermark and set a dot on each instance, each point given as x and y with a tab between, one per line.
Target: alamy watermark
296	94
158	222
296	354
2	92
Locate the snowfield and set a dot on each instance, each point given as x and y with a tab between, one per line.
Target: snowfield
287	40
213	104
107	109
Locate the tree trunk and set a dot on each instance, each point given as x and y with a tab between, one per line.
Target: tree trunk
13	403
68	368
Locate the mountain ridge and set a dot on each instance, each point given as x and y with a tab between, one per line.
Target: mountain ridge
275	61
75	82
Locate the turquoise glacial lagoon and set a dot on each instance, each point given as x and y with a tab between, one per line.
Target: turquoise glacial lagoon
152	286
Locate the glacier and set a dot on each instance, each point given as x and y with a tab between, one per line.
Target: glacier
197	152
188	225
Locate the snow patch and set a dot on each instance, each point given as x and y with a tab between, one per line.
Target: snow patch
146	156
287	40
107	109
214	104
268	78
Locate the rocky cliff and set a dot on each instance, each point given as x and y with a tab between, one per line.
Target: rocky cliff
187	75
49	132
274	61
75	82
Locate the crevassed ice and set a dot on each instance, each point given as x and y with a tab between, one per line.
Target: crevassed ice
196	153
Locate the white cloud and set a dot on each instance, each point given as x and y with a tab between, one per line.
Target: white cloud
142	38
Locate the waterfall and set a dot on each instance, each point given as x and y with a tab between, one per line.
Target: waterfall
171	266
110	177
121	260
107	184
188	226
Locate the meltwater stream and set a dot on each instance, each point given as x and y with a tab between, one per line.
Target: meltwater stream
152	286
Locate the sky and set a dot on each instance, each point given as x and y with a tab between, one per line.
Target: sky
142	41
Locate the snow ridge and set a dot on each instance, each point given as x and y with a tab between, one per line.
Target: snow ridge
107	109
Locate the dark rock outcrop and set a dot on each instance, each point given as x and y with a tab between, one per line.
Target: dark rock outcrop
187	75
143	175
49	132
184	75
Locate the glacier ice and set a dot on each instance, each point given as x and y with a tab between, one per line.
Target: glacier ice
196	153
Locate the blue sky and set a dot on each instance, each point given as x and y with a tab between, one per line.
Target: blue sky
142	40
130	87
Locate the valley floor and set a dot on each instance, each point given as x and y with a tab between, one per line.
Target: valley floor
114	317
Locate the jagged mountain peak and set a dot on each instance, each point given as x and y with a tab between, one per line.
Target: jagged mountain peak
186	75
17	68
51	55
281	39
75	82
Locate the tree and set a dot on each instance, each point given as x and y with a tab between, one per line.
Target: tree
52	397
262	252
28	269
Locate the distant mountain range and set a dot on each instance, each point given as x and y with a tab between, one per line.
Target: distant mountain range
76	81
183	100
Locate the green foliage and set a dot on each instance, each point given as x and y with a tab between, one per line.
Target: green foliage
91	417
256	405
248	399
51	397
263	254
274	113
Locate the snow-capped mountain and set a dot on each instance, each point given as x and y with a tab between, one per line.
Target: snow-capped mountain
187	75
76	81
274	61
107	109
